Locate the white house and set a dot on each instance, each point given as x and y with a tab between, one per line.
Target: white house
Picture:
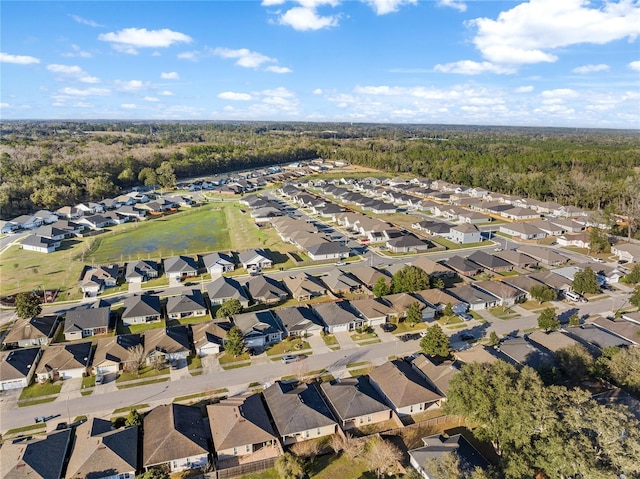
465	233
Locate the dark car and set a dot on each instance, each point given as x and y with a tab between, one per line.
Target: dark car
388	327
61	426
410	336
467	337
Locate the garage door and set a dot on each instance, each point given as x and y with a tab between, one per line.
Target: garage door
15	384
107	369
339	329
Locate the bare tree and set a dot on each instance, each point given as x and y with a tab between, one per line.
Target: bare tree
350	446
135	358
382	456
307	449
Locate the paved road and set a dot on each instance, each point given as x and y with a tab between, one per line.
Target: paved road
235	380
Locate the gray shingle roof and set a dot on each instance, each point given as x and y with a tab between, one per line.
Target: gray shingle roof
38	458
353	397
144	305
87	318
186	302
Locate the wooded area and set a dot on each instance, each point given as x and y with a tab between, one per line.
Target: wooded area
51	164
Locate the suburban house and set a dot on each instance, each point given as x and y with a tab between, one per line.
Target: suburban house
525	231
223	289
303	286
323	249
523	282
186	305
208	337
166	344
39	244
544	255
18	367
568	225
94	222
218	263
437	375
46	216
298	412
340	282
354	402
259	328
463	266
580	240
508	295
520	214
29	332
255	260
83	322
338	316
592	335
113	354
51	232
407	243
38	457
64	361
439	299
403	389
374	310
96	279
264	289
627	252
27	222
522	352
299	321
553	280
401	302
176	437
433	269
368	275
490	262
620	327
99	450
465	233
240	428
518	259
69	227
552	229
140	271
69	212
473	217
437	446
552	341
141	309
180	267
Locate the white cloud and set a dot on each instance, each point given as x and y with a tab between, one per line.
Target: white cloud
193	55
317	91
279	92
277	69
77	52
170	76
560	93
230	95
306	18
524	89
72	71
82	104
601	67
86	92
129	39
84	21
245	58
167	93
529	31
634	65
382	7
18	59
150	99
469	67
156	54
131	85
129	106
455	4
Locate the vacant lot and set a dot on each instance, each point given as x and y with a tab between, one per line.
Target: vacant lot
197	231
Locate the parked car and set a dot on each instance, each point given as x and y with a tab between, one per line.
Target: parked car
62	426
497	249
339	263
465	316
598	260
409	337
467	337
388	327
290	359
622	261
99	379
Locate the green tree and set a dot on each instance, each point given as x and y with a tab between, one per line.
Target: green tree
448	310
624	369
289	466
381	288
414	313
548	320
234	342
229	308
27	305
437	283
154	474
410	279
166	175
635	297
585	281
599	241
493	338
435	342
575	363
634	276
148	176
543	293
134	418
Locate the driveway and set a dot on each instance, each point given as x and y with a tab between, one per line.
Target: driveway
344	340
179	371
70	388
108	384
317	344
384	336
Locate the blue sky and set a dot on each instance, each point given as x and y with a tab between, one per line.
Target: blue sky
540	62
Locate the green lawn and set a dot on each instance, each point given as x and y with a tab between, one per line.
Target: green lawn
451	245
139	328
37	390
88	381
500	313
143	383
407	327
533	305
36	402
330	340
225	358
192	320
449	320
31	428
194	362
283	347
193	231
145	372
363	336
130	408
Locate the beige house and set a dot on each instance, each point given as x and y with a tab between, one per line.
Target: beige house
64	361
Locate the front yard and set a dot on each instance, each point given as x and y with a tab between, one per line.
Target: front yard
37	390
288	346
143	373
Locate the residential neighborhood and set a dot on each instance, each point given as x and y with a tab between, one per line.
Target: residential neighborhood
301	315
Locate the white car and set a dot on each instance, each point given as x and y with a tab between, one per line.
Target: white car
598	260
339	263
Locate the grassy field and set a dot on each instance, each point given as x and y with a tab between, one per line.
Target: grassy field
145	372
451	245
194	231
37	390
288	346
